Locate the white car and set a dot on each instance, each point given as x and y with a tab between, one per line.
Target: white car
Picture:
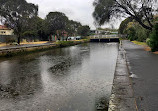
71	38
78	38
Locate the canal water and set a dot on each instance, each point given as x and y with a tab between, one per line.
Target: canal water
76	78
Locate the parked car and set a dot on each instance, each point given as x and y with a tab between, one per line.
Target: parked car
71	38
78	38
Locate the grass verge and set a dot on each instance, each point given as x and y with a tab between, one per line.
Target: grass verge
140	43
146	47
23	43
70	43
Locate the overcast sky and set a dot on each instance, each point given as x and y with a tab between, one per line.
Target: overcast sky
78	10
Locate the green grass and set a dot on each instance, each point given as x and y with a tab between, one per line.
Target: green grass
123	38
140	43
65	43
70	43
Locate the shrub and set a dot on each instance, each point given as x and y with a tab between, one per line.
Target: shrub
131	33
85	40
153	42
134	31
148	41
24	41
36	40
123	25
65	43
141	33
10	40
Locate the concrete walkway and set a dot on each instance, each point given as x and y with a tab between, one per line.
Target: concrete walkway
144	74
122	97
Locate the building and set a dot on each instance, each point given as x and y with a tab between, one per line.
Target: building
62	35
102	32
6	34
5	31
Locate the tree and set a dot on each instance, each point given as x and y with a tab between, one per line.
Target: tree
140	10
124	24
72	27
35	27
84	30
153	41
134	30
56	22
16	14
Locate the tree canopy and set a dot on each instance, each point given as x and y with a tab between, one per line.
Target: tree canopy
72	27
16	14
56	21
123	25
34	28
84	30
22	17
140	10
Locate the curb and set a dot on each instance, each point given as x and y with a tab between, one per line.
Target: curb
122	96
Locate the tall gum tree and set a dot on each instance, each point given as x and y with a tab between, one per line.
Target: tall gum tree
140	10
72	27
56	22
16	14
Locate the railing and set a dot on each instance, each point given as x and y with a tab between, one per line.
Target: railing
104	36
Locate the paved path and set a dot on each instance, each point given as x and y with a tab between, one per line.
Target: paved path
144	70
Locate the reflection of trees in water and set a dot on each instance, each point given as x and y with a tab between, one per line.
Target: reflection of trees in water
67	59
23	78
25	86
60	68
64	66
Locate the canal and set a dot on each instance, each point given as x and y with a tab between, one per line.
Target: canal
76	78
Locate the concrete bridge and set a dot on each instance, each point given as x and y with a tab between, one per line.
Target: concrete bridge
104	38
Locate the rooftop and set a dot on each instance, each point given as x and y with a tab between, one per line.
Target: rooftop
2	27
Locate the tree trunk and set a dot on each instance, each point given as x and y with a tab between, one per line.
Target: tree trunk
19	37
58	37
145	26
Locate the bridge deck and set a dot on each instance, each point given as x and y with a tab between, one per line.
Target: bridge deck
105	39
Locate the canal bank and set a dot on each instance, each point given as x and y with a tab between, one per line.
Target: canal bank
122	96
25	49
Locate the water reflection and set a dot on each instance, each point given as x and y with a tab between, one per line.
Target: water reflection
19	78
68	79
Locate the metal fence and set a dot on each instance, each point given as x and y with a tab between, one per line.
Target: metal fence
105	36
110	36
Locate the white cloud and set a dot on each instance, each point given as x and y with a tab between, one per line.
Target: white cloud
78	10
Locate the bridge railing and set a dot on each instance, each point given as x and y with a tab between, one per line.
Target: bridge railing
104	36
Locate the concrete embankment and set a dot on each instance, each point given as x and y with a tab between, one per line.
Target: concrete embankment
23	50
122	96
18	50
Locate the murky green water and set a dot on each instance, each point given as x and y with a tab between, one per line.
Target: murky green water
68	79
